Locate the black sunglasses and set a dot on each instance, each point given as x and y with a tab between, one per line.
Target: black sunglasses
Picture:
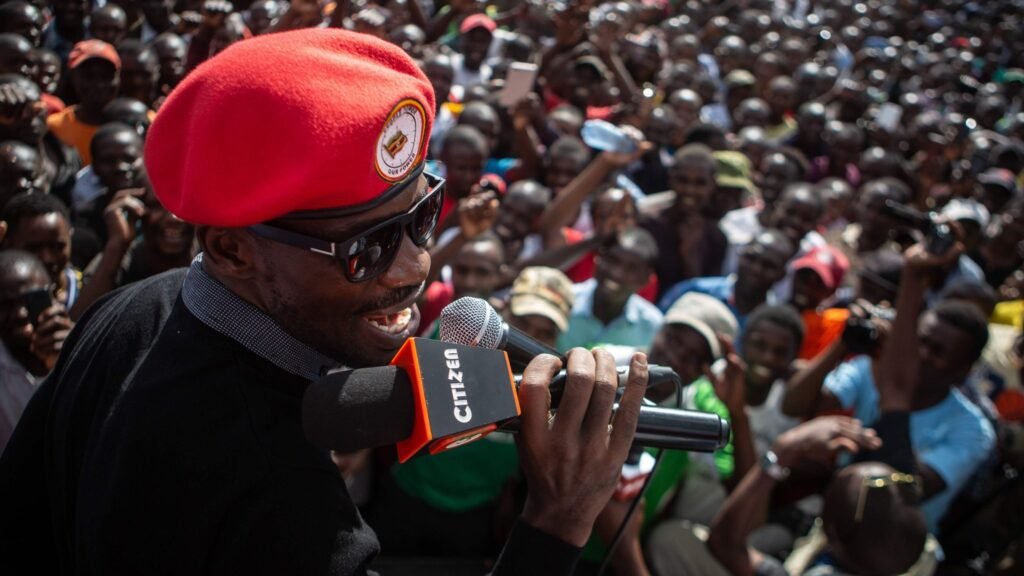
368	254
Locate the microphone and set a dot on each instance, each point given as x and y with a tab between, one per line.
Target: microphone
438	395
434	396
473	322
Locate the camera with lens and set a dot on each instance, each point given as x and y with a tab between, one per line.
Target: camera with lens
938	235
861	334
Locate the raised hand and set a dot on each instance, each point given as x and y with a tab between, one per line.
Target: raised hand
730	384
48	337
477	213
121	214
821	439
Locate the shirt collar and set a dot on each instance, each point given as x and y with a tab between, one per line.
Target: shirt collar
221	309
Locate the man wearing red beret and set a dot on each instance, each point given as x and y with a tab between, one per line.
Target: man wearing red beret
168	439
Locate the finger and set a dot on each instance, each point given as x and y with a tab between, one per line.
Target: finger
868	439
129	192
625	419
844	444
135	206
579	385
599	413
53	311
534	396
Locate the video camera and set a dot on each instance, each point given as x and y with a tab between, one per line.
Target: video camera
939	236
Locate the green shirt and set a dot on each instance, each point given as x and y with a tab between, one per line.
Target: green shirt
462	478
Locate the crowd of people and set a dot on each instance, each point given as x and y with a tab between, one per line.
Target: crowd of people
814	215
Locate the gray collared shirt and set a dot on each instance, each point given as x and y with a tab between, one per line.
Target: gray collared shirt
221	309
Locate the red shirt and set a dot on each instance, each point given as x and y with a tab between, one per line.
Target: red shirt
438	295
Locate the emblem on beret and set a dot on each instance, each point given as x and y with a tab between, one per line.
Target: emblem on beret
401	141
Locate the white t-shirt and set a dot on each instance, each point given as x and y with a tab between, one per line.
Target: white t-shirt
767	421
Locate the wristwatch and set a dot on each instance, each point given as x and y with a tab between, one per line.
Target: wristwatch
771	466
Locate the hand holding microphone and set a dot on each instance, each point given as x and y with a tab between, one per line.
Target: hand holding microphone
572	461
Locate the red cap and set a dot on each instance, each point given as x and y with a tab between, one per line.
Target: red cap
88	49
830	265
308	120
477	21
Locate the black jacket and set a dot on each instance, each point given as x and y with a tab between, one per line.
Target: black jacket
160	446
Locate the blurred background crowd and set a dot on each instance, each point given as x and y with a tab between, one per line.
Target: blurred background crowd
813	210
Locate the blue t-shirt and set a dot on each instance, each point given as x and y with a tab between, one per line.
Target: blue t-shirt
635	327
953	437
720	287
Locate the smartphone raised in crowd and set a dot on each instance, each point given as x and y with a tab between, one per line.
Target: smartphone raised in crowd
518	83
37	301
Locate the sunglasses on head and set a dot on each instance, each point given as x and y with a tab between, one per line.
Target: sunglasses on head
368	254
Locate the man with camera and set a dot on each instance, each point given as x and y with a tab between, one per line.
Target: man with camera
931	354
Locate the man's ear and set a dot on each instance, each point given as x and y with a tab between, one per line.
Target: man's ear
3	231
232	252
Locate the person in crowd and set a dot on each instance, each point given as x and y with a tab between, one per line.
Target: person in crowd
689	241
143	240
695	334
171	51
108	23
130	112
463	155
539	303
777	171
93	67
762	263
734	186
117	149
475	35
518	220
606	309
29	345
140	71
41	225
477	270
937	351
816	277
439	69
20	170
263	15
870	520
24	19
995	188
67	28
24	120
15	54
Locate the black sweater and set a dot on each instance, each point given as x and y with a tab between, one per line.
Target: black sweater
160	446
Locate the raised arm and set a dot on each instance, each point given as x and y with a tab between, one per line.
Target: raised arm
747	507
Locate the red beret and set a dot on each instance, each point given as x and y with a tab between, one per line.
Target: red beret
315	119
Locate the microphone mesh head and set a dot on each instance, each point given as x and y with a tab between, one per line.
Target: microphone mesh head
471	322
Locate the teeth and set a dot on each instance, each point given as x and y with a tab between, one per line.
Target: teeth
390	323
760	371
